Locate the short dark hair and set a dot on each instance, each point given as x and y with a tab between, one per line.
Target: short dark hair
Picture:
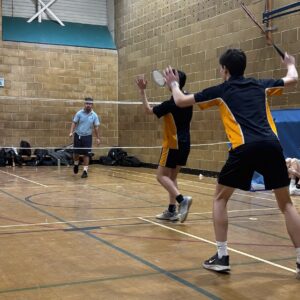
182	78
88	100
234	60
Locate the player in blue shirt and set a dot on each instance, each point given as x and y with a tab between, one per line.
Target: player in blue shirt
82	127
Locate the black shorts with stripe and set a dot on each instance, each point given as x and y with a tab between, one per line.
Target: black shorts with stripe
83	141
171	158
264	157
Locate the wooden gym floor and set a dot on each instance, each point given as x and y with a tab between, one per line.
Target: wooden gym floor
63	237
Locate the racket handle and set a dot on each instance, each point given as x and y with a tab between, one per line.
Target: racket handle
279	51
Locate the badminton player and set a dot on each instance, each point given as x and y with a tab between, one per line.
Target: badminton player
175	149
251	130
84	121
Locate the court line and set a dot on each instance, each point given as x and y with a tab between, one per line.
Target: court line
72	186
247	193
129	254
241	210
115	219
213	243
23	178
136	173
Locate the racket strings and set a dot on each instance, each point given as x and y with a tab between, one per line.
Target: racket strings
158	78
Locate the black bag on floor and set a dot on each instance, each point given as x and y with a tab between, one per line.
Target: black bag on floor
130	161
119	157
107	161
64	157
116	153
43	158
10	157
2	158
24	151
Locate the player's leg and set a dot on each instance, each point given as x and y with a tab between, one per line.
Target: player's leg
76	145
165	178
220	261
292	220
87	145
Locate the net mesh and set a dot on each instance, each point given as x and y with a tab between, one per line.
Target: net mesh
46	123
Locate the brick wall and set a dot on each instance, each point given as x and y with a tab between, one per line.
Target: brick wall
190	35
47	122
34	73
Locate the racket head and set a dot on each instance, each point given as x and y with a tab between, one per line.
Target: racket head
158	78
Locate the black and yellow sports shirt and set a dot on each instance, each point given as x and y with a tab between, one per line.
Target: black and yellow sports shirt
176	123
244	108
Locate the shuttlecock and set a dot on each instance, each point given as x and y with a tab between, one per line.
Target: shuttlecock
200	176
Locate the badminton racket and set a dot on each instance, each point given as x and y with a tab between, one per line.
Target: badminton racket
252	17
158	78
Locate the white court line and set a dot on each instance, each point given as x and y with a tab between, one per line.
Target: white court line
73	185
135	173
66	222
212	243
24	179
112	219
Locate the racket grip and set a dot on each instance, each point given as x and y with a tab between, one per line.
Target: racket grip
279	51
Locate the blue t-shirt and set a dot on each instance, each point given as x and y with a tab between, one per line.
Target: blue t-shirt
85	122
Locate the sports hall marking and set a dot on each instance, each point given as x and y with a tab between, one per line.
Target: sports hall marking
116	219
123	251
23	178
136	173
212	243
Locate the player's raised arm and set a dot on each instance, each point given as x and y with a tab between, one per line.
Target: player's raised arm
291	76
180	98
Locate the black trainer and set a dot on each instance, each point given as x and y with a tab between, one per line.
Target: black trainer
217	264
298	271
84	174
75	169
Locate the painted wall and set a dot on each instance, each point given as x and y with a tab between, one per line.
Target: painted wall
58	74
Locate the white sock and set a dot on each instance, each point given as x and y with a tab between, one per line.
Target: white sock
222	249
298	255
293	182
85	168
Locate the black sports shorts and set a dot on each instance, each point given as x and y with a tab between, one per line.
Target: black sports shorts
171	158
265	157
83	142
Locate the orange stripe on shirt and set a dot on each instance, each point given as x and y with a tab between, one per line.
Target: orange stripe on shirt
170	132
274	91
232	128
